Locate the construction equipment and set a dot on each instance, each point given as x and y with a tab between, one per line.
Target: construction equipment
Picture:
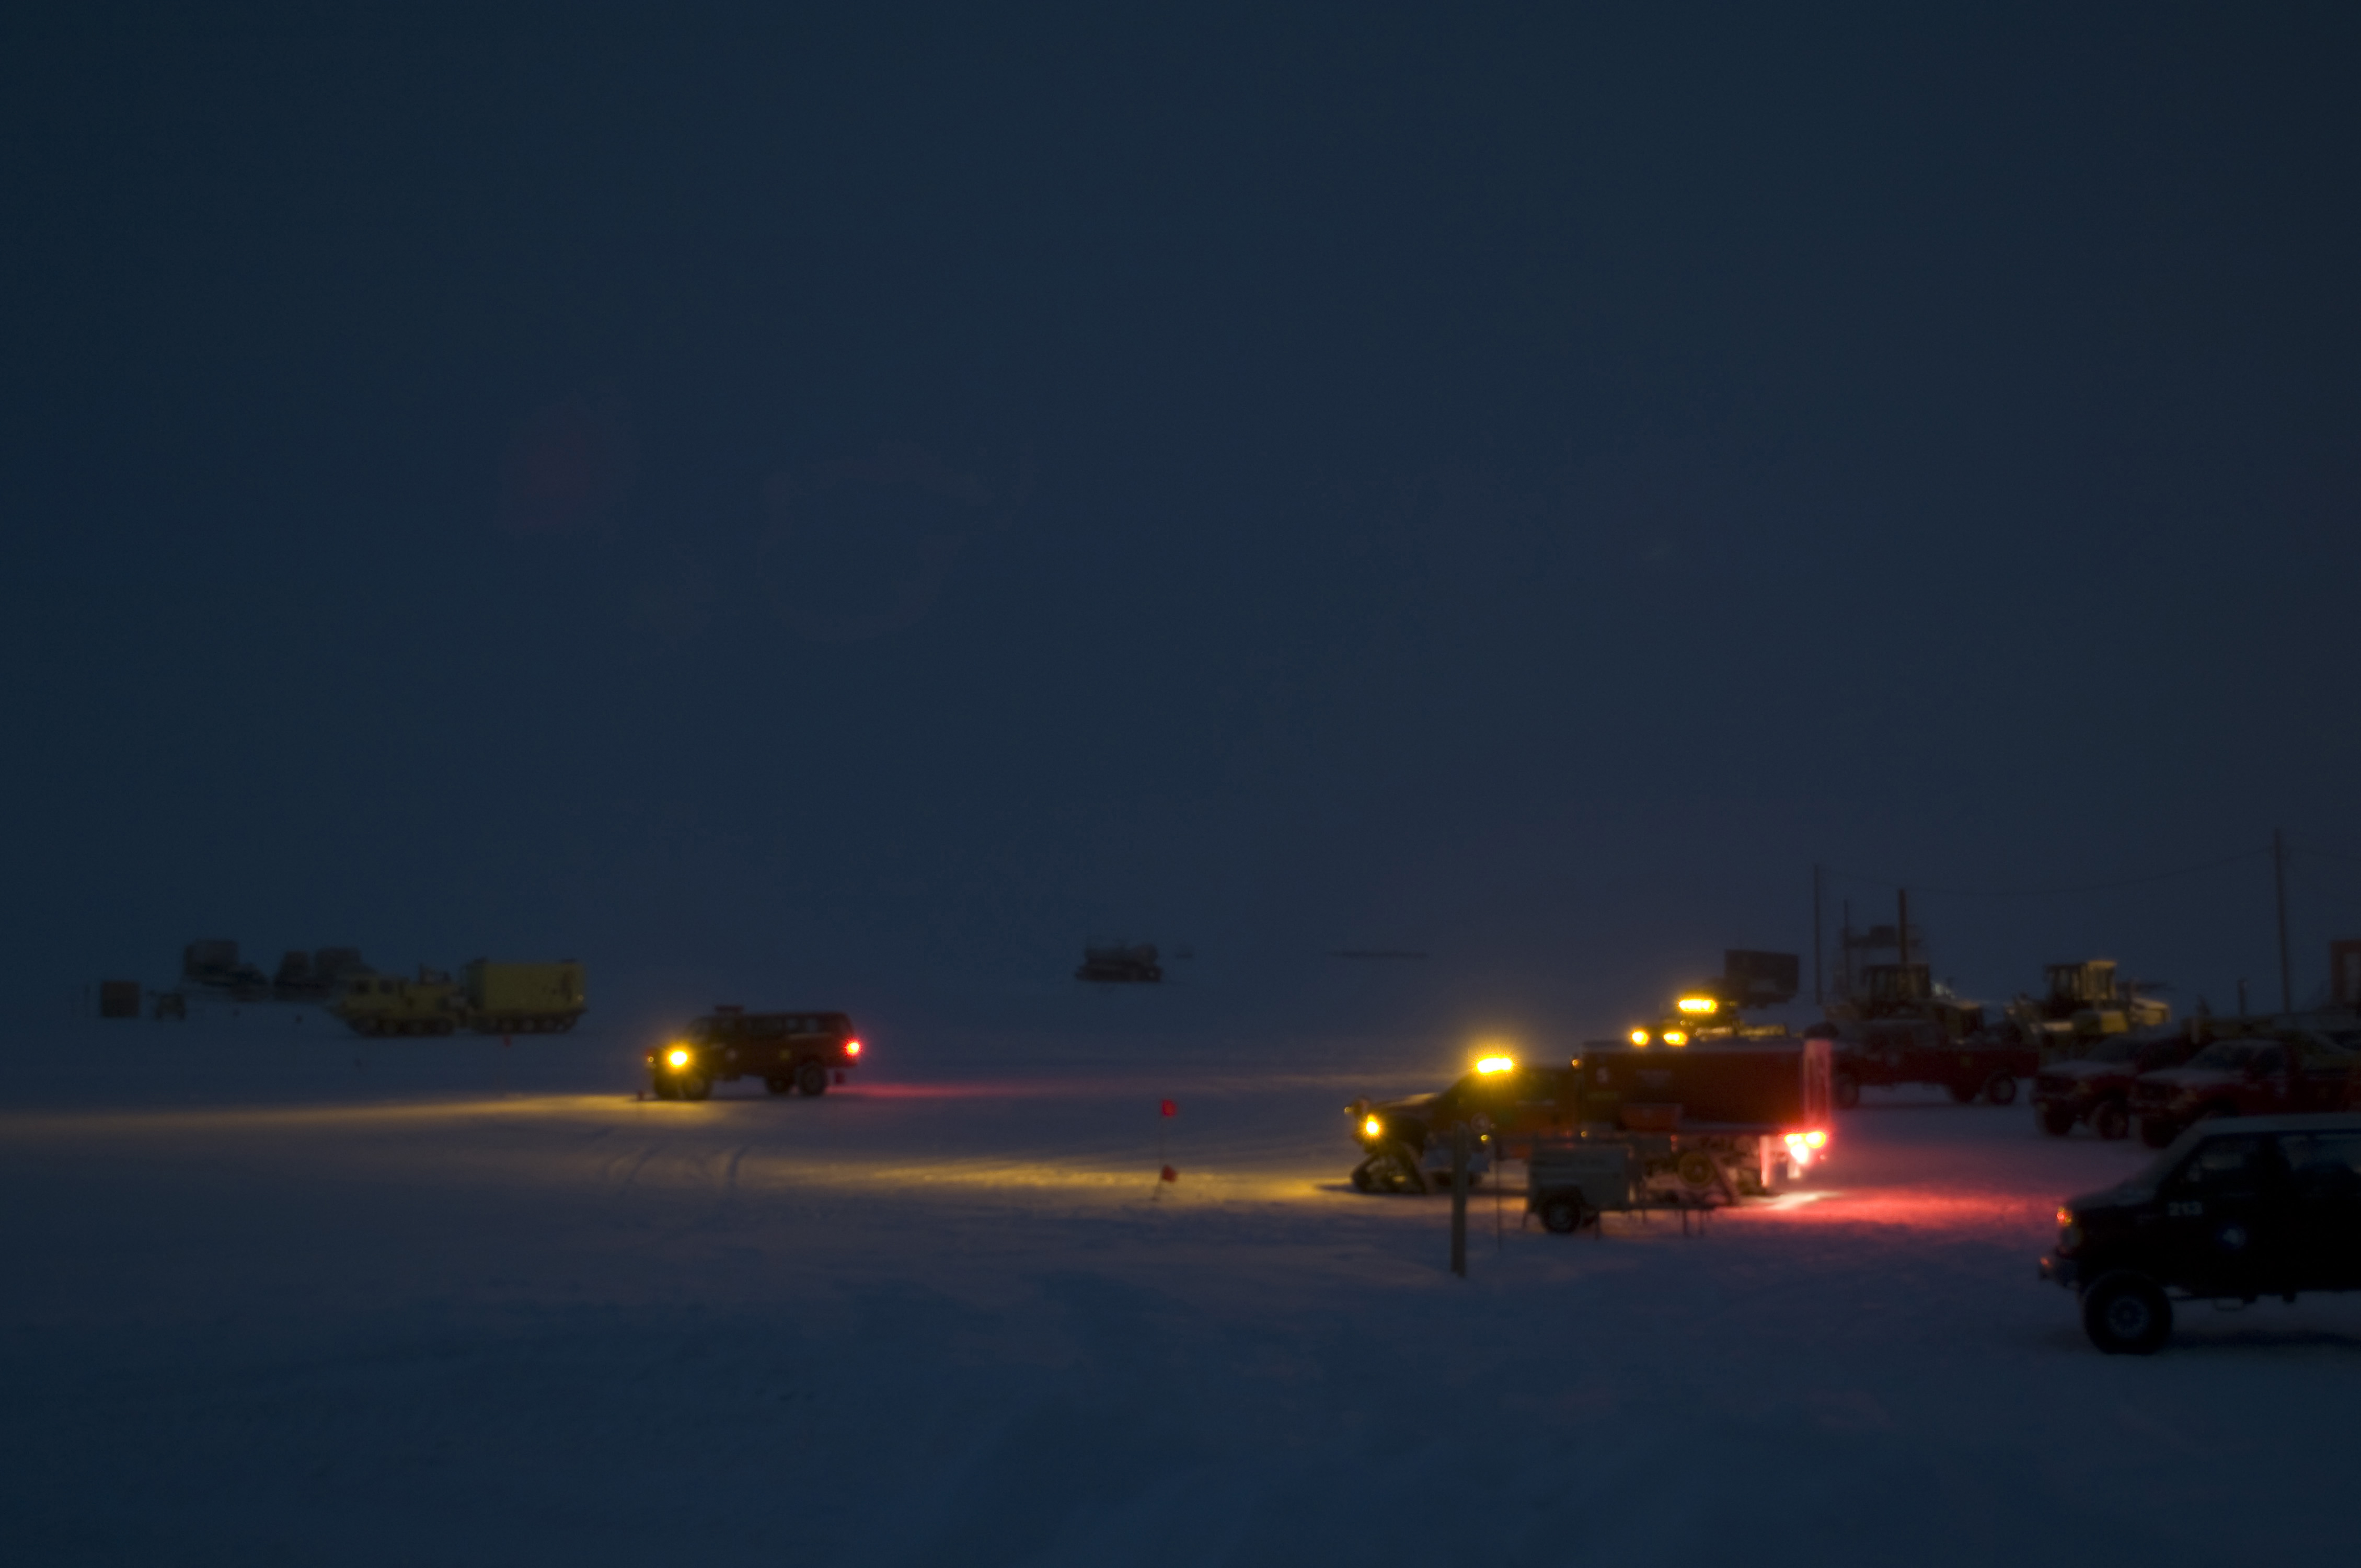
1119	964
2084	1004
489	999
213	963
378	1004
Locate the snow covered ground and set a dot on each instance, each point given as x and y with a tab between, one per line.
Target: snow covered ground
286	1298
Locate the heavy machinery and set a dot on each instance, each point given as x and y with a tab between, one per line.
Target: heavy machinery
212	964
489	999
1119	964
2084	1004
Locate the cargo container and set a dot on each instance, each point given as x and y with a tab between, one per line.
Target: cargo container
523	999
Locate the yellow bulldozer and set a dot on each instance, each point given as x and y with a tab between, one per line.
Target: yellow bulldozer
2085	1002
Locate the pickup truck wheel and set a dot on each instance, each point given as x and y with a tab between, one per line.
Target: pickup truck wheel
1563	1215
2000	1088
2057	1120
2156	1134
1962	1093
692	1086
1848	1091
2111	1120
811	1079
662	1088
779	1083
2127	1315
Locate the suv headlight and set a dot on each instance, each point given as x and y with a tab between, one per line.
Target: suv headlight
1373	1129
2070	1234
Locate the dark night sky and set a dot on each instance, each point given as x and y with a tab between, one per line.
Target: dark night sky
816	507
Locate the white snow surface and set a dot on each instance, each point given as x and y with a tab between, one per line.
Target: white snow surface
287	1298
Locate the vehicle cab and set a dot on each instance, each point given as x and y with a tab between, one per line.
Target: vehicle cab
2236	1208
797	1052
2251	1077
2096	1088
1505	1105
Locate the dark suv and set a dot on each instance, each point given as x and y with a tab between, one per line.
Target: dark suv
2238	1208
2097	1088
799	1051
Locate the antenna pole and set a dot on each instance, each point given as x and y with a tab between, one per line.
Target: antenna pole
1819	1000
2278	876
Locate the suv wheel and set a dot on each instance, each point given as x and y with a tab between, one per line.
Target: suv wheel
662	1088
692	1084
2057	1120
1362	1180
1848	1091
2001	1089
2111	1120
812	1079
2127	1315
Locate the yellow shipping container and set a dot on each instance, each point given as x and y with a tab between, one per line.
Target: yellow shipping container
524	999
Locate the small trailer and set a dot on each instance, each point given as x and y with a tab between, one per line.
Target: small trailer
1570	1184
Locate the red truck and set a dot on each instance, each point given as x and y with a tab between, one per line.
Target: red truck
1892	1052
2097	1088
1724	1116
2254	1077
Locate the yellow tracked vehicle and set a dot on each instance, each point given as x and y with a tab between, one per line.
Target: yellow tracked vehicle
489	999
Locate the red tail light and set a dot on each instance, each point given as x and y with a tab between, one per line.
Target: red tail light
853	1048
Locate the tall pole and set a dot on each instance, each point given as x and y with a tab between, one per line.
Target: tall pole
1819	1000
1847	934
2278	875
1902	924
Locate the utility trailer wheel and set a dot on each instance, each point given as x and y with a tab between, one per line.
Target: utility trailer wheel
1848	1091
2127	1315
1563	1215
2057	1121
1696	1170
693	1086
2000	1089
811	1079
2111	1120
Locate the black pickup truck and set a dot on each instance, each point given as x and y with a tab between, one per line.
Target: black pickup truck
2238	1208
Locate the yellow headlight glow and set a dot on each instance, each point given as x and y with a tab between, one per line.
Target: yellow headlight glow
1373	1127
678	1057
1698	1004
1639	1036
1676	1037
1497	1064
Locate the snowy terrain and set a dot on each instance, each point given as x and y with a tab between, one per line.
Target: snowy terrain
286	1298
